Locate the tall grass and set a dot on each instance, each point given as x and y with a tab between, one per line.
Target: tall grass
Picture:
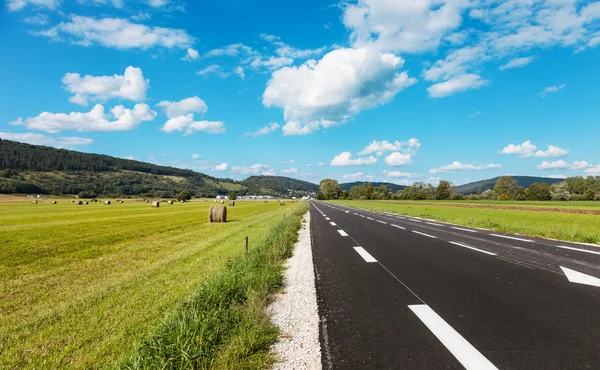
224	325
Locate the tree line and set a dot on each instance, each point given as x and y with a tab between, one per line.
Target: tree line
506	188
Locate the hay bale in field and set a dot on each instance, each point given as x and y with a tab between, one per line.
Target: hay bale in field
86	202
217	214
53	202
222	202
120	201
145	200
293	201
79	202
34	201
182	201
266	201
107	202
231	203
155	204
170	202
282	202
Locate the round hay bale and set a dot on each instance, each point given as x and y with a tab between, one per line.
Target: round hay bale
170	202
266	201
282	202
217	214
107	202
120	201
86	202
53	202
79	202
222	202
34	201
231	203
155	204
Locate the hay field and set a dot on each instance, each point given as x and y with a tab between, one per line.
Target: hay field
559	221
80	286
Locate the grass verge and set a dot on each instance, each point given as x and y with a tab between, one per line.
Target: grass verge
224	325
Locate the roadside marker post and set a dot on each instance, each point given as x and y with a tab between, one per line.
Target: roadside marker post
246	245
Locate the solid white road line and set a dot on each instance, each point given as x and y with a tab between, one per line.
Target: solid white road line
575	249
342	233
400	227
434	224
364	254
473	248
461	229
333	224
431	236
580	278
382	222
513	238
412	219
464	352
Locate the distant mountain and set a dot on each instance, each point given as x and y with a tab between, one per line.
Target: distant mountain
479	186
393	187
30	169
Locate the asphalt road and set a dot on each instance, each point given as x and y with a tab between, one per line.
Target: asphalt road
397	292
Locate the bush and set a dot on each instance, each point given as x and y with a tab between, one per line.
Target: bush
184	195
489	195
458	197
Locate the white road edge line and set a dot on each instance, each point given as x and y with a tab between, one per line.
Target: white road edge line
400	227
513	238
364	254
333	224
464	352
473	248
575	249
461	229
431	236
342	233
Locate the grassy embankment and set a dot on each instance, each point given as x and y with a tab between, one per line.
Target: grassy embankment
84	286
548	224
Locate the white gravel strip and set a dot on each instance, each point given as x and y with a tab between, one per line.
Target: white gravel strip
295	310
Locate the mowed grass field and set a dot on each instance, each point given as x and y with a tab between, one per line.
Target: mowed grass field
543	220
81	286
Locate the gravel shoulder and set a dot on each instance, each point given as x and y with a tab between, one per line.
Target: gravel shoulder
295	310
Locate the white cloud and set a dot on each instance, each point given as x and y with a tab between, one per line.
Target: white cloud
196	156
551	89
187	125
95	120
269	173
524	150
221	167
557	176
191	55
552	152
345	159
354	176
516	63
309	165
457	166
381	147
15	5
39	19
593	170
131	85
560	164
271	62
116	3
239	71
322	164
266	130
117	33
326	93
183	107
402	174
68	142
230	50
398	159
291	161
290	170
213	69
157	3
475	115
256	169
456	84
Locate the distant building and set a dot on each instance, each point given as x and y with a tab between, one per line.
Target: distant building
222	196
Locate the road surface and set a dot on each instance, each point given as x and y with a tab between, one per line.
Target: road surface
398	292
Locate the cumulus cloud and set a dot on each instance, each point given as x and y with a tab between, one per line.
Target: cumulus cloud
120	119
560	164
68	142
230	50
516	63
221	167
402	174
266	130
15	5
355	176
456	84
524	150
290	170
131	85
191	55
196	156
183	107
381	147
345	159
551	90
552	152
398	159
117	33
213	69
458	166
327	92
239	71
187	125
593	170
39	19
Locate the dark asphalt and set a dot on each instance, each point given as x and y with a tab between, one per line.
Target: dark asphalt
507	303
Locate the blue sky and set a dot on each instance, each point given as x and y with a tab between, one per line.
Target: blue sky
397	91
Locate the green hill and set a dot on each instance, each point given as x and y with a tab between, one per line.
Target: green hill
393	187
479	186
31	169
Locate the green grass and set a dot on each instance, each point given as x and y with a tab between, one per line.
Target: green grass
83	286
591	205
557	225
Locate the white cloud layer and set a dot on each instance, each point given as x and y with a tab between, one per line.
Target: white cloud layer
327	92
456	84
68	142
458	166
120	119
560	164
398	159
188	126
516	63
381	147
221	167
255	169
117	33
191	55
183	107
524	150
15	5
345	159
402	174
551	90
290	170
552	152
131	85
266	130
